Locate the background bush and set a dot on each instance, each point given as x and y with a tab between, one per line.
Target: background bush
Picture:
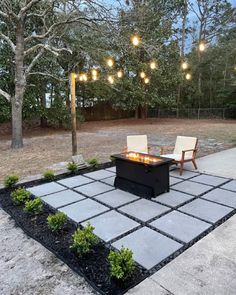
20	196
11	180
34	206
56	221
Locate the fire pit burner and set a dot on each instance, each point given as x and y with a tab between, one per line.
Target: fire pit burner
141	174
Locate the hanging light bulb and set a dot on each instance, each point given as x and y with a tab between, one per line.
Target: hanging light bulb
81	77
153	65
110	79
142	75
201	46
188	76
135	40
119	74
85	78
110	62
94	72
146	80
75	76
94	78
184	65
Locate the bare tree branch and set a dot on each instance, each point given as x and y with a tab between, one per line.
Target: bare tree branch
8	40
33	62
5	94
27	7
52	49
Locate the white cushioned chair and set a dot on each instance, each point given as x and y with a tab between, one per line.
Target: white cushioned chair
137	143
185	150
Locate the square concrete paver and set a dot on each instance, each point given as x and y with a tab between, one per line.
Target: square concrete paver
180	226
206	210
210	180
144	209
93	188
45	189
109	180
112	169
116	198
149	247
99	174
83	210
186	174
62	198
174	180
192	188
173	198
75	181
111	225
230	185
222	196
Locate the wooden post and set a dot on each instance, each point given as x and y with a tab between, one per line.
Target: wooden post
73	113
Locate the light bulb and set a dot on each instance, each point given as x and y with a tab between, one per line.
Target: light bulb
153	65
135	40
146	80
110	79
120	74
184	65
142	75
188	76
110	62
94	72
201	46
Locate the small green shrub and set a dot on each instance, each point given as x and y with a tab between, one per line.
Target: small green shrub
20	196
56	221
84	240
72	166
49	175
122	263
11	180
34	206
93	162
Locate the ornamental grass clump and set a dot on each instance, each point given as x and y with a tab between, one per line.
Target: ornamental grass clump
72	167
49	175
121	263
34	206
20	196
56	221
93	162
84	240
11	180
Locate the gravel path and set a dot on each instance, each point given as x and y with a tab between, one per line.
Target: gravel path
26	267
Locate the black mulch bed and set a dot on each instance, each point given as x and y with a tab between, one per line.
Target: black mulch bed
93	267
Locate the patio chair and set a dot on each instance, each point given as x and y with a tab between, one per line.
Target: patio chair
137	143
185	150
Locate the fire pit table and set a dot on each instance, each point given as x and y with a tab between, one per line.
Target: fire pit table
144	175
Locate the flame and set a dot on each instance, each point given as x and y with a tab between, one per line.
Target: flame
142	158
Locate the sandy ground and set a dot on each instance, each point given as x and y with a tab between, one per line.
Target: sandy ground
27	268
45	147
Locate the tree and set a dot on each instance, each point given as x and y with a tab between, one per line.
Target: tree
31	29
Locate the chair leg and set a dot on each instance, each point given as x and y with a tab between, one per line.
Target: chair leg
181	168
194	163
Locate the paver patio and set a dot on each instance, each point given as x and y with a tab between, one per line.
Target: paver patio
153	229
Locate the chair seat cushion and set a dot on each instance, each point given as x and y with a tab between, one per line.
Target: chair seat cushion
177	157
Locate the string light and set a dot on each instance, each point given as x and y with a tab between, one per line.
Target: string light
201	46
94	78
135	40
184	65
153	65
110	79
146	80
110	62
94	72
120	74
188	76
142	75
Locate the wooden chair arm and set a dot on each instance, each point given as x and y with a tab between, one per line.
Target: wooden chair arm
190	150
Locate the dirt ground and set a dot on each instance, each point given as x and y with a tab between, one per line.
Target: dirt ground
46	147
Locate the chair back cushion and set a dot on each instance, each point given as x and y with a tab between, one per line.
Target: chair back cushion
185	143
137	143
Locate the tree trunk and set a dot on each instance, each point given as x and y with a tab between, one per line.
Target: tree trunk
20	83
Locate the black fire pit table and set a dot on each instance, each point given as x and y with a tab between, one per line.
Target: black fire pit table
144	175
